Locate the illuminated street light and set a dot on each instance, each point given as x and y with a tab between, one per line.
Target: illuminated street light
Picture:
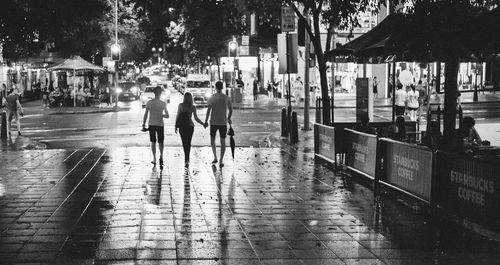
157	52
232	49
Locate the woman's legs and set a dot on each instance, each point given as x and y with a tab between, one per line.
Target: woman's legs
186	137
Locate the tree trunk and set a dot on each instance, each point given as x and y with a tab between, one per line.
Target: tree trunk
450	98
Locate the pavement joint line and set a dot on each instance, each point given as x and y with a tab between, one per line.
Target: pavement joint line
47	192
219	191
73	228
64	161
69	195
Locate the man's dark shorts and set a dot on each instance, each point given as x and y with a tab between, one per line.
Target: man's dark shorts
221	128
154	132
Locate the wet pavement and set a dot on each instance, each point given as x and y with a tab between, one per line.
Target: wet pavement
268	206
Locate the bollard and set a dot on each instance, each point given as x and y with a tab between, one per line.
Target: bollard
3	134
289	118
318	110
284	129
294	130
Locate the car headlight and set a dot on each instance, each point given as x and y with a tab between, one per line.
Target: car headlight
134	90
208	94
118	90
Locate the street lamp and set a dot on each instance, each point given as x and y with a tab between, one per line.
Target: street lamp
115	49
157	52
232	48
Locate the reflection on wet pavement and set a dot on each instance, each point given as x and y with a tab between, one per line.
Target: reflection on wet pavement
269	206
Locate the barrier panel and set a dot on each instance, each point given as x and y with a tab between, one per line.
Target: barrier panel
362	156
469	188
407	168
324	142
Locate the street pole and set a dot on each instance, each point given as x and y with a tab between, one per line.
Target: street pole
306	82
116	62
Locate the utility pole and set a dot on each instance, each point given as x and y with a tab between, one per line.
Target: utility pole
306	79
116	43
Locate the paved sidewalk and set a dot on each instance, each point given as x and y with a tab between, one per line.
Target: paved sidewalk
268	206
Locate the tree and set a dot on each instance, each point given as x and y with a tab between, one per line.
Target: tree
83	28
447	31
331	14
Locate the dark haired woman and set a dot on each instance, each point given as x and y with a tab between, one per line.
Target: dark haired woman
185	125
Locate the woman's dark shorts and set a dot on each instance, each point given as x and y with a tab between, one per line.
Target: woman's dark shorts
154	132
221	128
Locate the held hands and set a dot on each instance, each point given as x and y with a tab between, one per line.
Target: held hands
166	116
229	121
205	125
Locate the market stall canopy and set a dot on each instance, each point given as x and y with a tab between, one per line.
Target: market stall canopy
76	63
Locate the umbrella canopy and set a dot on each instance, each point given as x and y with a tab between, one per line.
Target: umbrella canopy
428	35
76	63
379	34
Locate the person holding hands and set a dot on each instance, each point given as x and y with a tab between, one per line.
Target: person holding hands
184	124
219	111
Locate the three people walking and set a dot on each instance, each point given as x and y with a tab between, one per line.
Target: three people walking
219	113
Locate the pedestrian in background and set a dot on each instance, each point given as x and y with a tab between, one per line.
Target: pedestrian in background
375	87
156	109
45	97
413	104
400	100
184	124
219	111
14	110
255	89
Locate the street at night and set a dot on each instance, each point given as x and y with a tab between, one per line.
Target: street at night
235	132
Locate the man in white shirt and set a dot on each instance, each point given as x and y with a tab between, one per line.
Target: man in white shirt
156	107
401	97
219	111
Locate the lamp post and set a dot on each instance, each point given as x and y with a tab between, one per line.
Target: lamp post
157	52
232	48
115	49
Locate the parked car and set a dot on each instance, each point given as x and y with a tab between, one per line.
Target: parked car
148	94
128	90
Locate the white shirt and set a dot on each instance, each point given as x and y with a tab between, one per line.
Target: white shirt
413	99
401	98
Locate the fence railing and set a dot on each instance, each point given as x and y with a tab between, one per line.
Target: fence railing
464	186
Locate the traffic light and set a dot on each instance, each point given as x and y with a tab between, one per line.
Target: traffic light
115	52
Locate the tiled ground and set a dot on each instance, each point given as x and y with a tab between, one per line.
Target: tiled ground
269	206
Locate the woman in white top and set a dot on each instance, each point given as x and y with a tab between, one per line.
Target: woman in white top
413	103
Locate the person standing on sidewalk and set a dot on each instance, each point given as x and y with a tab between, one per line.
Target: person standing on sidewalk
14	109
375	87
155	109
400	100
219	111
185	125
255	89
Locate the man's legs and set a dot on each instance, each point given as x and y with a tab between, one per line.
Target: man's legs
18	120
153	149
222	149
214	151
9	121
